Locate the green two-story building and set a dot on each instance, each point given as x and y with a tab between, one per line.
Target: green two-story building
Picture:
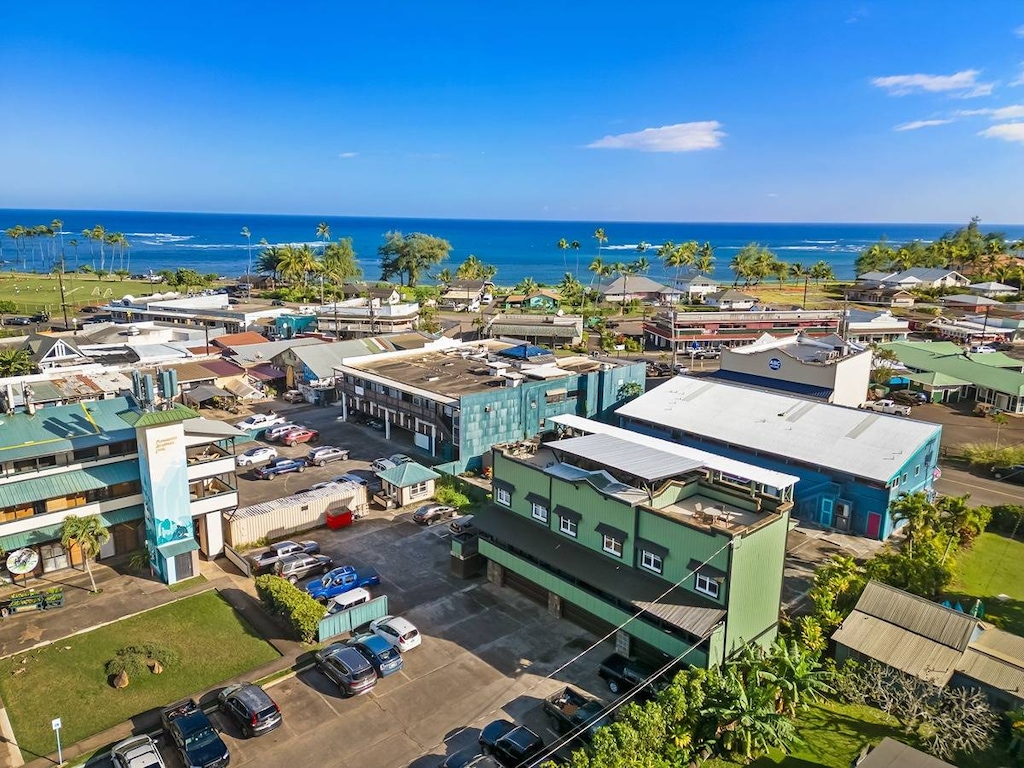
677	551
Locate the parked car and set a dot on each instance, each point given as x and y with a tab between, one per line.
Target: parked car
429	514
253	711
347	600
622	674
379	652
887	406
325	454
569	709
510	744
382	465
375	423
464	524
982	349
910	397
293	396
300	435
706	353
348	477
341	580
17	321
470	758
399	458
266	560
277	431
297	567
346	667
282	466
192	734
260	421
1013	473
135	752
256	456
398	631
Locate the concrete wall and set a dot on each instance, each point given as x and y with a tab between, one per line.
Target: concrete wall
847	378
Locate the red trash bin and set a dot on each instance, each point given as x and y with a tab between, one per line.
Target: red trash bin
339	518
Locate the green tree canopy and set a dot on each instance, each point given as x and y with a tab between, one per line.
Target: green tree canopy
16	362
409	256
88	534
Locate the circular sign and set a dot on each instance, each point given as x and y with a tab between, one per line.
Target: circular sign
22	561
775	363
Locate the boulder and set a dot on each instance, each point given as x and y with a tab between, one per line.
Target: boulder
155	666
121	679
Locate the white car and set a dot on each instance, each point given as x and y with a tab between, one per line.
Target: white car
256	456
382	465
278	430
399	458
888	406
136	751
398	631
982	349
260	421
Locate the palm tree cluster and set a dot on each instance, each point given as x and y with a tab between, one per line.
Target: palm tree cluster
330	266
47	255
736	710
474	269
964	249
753	263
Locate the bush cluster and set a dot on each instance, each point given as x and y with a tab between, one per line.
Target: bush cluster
1008	519
301	611
447	494
133	659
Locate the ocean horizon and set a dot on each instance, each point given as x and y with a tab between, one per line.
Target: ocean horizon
212	242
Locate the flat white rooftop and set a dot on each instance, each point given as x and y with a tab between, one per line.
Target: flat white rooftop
713	461
857	442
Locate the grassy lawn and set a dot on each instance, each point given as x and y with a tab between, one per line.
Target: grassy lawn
993	566
67	679
41	293
834	735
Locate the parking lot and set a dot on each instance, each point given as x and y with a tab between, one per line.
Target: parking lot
485	654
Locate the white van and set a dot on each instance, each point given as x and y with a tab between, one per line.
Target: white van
349	599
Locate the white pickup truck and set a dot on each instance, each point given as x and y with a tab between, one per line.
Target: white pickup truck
887	406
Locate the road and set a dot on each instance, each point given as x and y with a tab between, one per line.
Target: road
983	490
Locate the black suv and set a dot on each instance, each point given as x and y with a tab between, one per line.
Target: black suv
622	674
510	744
250	707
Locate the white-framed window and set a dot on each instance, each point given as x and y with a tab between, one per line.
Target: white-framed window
419	489
567	526
503	497
539	512
706	585
917	470
651	561
612	546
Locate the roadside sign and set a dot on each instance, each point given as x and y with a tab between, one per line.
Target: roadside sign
56	723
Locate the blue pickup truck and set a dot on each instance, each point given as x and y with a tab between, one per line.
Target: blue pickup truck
199	745
341	580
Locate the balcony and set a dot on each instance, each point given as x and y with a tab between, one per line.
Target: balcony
205	454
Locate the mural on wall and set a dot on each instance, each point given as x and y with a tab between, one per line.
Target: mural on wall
164	472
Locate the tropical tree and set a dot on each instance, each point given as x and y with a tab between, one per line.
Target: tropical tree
563	246
1000	419
122	274
269	261
796	674
601	238
88	534
248	244
822	270
919	516
528	285
798	273
15	362
323	232
744	263
340	263
474	269
746	716
297	262
409	256
444	277
705	260
677	257
570	289
780	270
623	270
961	522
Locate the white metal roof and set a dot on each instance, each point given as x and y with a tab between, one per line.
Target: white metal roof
857	442
646	462
713	461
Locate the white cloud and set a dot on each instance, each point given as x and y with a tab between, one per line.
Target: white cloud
1019	80
681	137
348	155
963	84
1011	112
1019	31
772	194
915	124
1006	132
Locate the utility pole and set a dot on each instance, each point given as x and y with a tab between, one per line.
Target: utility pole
60	282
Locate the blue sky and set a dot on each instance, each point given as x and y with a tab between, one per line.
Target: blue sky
753	110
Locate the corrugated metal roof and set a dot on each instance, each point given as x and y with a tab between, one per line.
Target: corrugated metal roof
535	329
641	461
223	367
340	491
61	427
322	358
766	382
895	754
244	339
985	370
897	647
127	514
817	434
714	461
996	658
681	608
407	474
175	548
39	535
67	483
167	416
917	615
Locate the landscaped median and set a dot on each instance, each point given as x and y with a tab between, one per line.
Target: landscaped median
208	640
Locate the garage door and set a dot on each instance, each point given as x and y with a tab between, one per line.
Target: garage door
524	586
585	619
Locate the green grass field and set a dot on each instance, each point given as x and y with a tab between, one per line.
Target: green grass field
41	293
993	566
67	679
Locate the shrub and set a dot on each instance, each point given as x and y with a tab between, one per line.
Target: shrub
301	611
447	494
133	659
1008	519
986	455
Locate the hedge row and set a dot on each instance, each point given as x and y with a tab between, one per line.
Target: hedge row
1008	519
296	607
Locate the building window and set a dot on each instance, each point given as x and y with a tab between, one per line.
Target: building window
567	526
503	497
539	512
612	546
54	557
706	585
904	478
917	470
651	561
419	489
896	482
555	396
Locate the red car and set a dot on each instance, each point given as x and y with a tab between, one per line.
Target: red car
300	435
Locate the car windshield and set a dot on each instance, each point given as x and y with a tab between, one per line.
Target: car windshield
387	654
204	738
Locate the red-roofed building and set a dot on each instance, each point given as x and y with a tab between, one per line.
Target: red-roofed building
231	340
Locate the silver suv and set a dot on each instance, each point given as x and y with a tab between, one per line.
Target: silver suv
321	456
296	567
347	667
138	750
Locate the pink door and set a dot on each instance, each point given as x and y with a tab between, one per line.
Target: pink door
874	524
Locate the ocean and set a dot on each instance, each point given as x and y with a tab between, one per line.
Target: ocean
211	242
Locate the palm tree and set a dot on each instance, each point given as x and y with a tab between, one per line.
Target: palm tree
822	270
796	674
16	362
624	271
919	515
323	231
781	271
676	257
88	534
797	272
601	238
248	239
528	286
563	245
599	271
570	288
444	277
746	716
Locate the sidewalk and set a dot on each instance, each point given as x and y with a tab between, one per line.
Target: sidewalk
123	595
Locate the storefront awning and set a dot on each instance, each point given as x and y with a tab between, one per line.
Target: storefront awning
175	548
241	389
67	483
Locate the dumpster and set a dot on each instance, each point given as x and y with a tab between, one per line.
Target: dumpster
339	518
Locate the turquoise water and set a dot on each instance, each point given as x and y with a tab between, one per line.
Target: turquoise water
212	243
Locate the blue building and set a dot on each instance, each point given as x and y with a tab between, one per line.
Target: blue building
455	402
852	463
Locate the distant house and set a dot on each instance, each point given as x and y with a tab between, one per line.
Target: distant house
968	301
879	295
387	294
873	327
54	351
916	277
467	294
934	643
233	340
638	288
546	330
991	290
545	298
697	287
730	299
